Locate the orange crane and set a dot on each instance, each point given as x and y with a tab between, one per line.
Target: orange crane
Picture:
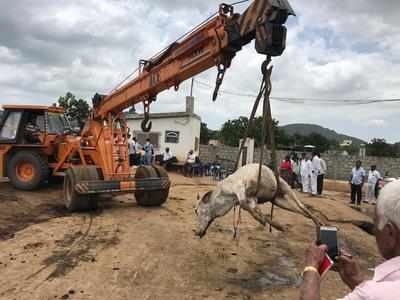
96	162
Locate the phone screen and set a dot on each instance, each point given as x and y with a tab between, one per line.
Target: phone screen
328	236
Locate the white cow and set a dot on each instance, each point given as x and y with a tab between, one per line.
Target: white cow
240	188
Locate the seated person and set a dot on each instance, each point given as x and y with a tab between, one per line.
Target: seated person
190	160
32	132
198	167
215	170
168	158
206	169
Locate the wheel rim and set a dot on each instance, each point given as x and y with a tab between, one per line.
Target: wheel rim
25	171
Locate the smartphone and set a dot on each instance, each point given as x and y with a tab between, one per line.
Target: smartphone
328	236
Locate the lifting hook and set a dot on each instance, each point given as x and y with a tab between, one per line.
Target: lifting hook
146	123
220	78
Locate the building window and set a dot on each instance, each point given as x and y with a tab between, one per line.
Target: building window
196	144
172	137
154	137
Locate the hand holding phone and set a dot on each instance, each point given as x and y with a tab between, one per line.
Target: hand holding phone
328	236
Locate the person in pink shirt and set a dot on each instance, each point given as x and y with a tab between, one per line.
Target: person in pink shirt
286	170
385	284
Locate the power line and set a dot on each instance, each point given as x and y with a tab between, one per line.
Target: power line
304	100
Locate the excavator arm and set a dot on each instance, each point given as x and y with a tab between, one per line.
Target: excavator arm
213	43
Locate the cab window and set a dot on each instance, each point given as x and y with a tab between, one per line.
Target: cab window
10	126
57	123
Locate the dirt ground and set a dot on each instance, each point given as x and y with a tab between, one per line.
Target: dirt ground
123	251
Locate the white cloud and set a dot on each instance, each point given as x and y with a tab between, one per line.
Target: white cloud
377	122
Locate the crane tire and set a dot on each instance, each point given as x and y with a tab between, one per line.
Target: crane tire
155	197
74	202
27	170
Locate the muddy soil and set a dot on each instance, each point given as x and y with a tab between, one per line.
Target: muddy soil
123	251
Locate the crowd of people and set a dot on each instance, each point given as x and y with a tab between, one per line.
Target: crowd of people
144	155
306	173
140	154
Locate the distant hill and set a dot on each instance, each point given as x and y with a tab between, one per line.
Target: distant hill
307	129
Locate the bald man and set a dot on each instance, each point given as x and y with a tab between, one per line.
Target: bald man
385	284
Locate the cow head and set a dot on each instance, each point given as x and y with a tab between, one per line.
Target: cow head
212	205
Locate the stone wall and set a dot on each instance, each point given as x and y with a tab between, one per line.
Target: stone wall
339	166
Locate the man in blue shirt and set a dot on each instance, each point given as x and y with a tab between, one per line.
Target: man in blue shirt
148	152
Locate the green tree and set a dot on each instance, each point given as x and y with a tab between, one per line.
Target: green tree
77	110
379	147
233	130
321	143
207	134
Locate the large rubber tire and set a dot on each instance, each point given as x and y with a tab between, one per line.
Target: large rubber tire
27	170
74	202
151	198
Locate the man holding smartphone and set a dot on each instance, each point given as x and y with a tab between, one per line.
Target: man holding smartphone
385	284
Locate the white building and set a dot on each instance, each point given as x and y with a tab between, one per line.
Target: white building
346	143
179	131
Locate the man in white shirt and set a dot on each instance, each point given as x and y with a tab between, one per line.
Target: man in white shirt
357	182
190	160
168	158
316	169
373	177
305	172
321	176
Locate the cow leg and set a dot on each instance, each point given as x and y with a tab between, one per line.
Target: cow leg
250	205
290	198
316	221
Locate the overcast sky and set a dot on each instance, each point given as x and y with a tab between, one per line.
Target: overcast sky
335	49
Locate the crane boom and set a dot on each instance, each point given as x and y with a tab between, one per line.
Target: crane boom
214	43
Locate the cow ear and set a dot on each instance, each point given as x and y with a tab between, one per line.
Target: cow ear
198	196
